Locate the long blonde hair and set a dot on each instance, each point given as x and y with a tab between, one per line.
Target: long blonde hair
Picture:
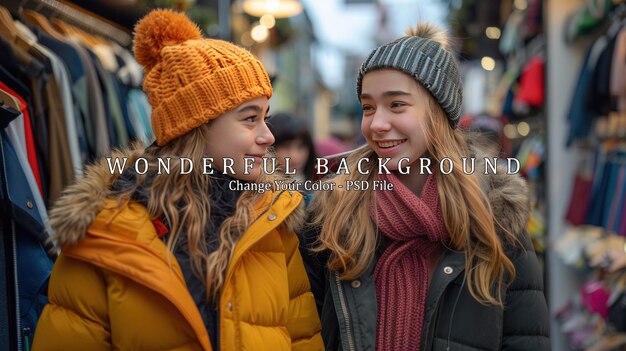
184	201
349	234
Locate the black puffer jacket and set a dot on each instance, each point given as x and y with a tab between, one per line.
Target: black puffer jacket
453	319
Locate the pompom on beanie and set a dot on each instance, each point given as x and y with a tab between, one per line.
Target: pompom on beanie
189	79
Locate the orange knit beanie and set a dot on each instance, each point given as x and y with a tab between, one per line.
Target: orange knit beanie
190	80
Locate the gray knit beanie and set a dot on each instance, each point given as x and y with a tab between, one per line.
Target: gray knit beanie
426	61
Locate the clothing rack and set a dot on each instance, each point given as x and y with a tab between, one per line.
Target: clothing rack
82	19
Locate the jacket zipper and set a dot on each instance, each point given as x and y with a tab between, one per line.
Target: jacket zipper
453	310
433	324
17	289
346	315
26	332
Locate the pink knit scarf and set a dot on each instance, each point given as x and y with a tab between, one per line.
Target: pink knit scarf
415	228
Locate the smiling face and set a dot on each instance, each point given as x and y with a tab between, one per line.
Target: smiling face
394	115
241	133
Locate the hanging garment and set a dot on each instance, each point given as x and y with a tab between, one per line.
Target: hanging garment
617	201
131	72
57	153
28	135
107	120
95	113
116	114
138	103
76	72
62	86
618	78
121	92
61	170
27	76
579	117
579	201
599	198
531	90
598	96
613	175
622	230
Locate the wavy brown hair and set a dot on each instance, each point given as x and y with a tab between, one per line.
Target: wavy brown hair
184	201
350	236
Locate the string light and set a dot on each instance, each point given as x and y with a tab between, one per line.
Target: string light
493	32
259	33
276	8
268	21
523	128
488	63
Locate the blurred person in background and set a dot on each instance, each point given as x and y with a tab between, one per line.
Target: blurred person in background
293	141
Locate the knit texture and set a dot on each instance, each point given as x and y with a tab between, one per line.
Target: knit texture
426	61
190	80
416	228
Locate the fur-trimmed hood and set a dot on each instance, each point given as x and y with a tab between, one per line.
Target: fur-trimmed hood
508	196
75	210
80	202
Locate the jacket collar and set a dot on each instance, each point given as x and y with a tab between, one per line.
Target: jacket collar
123	240
129	246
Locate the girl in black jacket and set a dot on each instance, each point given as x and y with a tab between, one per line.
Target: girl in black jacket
442	261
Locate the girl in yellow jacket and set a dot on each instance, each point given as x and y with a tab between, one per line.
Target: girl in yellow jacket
159	248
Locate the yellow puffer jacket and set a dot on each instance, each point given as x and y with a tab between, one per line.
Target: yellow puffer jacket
117	287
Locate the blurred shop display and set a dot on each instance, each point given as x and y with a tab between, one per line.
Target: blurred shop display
503	51
70	92
594	318
600	96
596	213
78	88
590	17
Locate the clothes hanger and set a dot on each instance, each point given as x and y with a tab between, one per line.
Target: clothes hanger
73	31
42	22
5	26
9	108
46	22
10	32
9	100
